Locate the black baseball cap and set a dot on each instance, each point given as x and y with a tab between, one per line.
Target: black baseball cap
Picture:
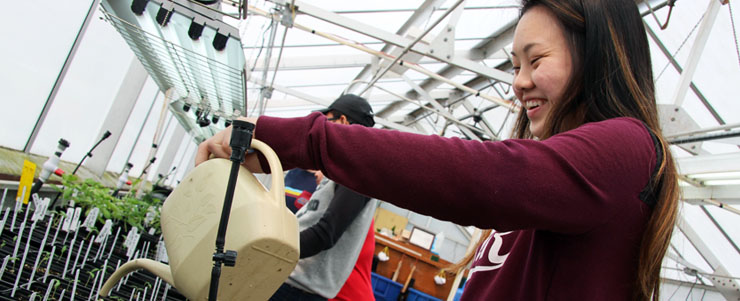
356	108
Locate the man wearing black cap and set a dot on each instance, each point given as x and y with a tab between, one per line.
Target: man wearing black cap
350	108
336	239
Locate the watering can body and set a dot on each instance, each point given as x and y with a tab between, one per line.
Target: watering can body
262	231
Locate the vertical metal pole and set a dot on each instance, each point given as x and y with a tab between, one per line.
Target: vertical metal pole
60	77
268	57
138	135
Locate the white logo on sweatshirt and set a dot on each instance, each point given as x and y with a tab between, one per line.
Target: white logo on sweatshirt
494	258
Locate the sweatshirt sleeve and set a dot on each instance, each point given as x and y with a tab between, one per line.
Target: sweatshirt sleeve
569	183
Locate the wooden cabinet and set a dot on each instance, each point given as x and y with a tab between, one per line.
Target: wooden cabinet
409	256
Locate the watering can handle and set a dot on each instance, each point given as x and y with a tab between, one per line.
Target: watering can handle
277	188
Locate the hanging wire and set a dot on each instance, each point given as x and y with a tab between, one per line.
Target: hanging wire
262	46
674	292
680	46
734	33
696	279
282	44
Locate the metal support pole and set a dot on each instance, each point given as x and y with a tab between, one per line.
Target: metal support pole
60	77
696	50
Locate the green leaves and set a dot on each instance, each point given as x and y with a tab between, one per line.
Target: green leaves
129	209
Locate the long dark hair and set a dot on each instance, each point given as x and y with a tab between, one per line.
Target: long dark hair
612	77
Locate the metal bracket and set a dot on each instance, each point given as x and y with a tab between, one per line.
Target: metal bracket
676	120
286	18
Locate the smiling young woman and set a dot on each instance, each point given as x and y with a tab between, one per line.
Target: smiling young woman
610	76
583	200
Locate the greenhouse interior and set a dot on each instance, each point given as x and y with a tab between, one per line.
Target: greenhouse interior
107	102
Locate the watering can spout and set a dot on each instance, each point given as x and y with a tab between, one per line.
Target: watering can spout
159	269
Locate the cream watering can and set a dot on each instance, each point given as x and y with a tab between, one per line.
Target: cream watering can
261	229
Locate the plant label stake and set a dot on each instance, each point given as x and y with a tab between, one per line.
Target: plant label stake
41	206
38	256
74	237
162	252
74	285
32	297
100	248
103	238
5	192
5	218
166	289
105	231
18	207
56	232
136	255
68	220
146	250
61	296
102	277
115	239
91	218
119	282
48	264
155	290
76	219
92	288
5	264
23	260
77	257
48	291
69	256
132	240
84	258
20	236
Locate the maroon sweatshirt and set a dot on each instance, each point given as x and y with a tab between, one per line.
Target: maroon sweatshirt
566	211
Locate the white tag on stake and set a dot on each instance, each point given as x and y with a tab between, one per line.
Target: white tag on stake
91	218
68	220
105	231
76	219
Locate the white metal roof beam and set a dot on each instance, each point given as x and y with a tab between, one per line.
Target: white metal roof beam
709	164
396	40
325	103
696	49
423	12
728	194
315	62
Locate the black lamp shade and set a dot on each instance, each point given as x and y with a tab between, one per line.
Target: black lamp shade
138	6
195	30
219	41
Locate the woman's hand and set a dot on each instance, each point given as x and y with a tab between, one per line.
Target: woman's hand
218	147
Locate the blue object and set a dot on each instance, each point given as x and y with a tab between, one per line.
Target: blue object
384	288
458	294
300	181
415	295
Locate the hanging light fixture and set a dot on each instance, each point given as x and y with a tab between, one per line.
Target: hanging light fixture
192	55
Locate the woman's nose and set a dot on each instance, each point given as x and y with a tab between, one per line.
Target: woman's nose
523	80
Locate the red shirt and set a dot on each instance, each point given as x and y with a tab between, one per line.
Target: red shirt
358	286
